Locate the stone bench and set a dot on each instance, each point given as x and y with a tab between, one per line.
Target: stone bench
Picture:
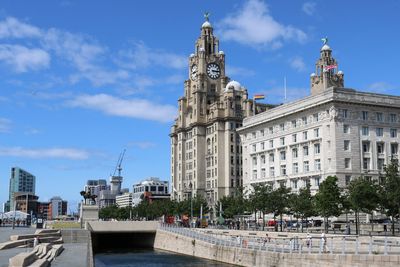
23	259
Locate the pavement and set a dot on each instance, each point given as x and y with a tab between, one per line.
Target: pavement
5	233
73	255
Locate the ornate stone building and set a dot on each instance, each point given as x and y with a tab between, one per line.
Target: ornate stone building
334	131
205	148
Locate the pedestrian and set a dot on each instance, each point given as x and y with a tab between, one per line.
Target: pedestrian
323	241
35	241
308	240
239	240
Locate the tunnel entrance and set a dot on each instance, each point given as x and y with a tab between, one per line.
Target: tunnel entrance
108	242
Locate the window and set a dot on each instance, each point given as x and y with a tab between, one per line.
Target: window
282	141
366	163
380	147
393	133
294	153
272	172
253	135
344	113
271	157
365	115
365	130
379	116
346	145
262	132
306	166
254	174
271	130
282	126
295	168
347	179
283	169
305	150
315	117
393	118
294	123
380	164
254	148
262	159
347	163
304	135
283	155
294	138
316	133
304	119
262	173
316	181
294	183
365	146
271	143
346	128
394	149
379	131
317	164
317	148
254	161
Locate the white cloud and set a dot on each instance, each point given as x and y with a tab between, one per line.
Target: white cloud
22	59
141	56
309	8
142	145
253	25
13	28
298	64
133	108
276	95
382	88
32	131
5	125
65	153
239	71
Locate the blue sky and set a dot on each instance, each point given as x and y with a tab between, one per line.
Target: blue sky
82	80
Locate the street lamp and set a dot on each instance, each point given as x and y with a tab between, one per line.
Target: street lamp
191	203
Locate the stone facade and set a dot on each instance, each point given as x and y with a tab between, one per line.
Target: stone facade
205	148
335	131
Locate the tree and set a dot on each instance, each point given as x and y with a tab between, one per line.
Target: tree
278	201
363	196
302	204
259	200
328	201
390	191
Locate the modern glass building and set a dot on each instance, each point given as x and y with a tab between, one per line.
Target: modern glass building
20	181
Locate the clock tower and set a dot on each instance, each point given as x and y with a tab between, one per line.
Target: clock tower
206	151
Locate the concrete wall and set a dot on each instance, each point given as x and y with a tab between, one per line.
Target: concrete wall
122	226
244	257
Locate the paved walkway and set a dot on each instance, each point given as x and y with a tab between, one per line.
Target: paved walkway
5	233
74	254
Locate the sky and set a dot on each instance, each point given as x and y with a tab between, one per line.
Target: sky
80	81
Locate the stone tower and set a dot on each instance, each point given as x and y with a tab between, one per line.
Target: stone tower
206	151
326	74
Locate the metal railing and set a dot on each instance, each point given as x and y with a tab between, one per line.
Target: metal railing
295	244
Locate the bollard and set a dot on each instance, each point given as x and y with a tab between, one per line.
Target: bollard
331	245
385	248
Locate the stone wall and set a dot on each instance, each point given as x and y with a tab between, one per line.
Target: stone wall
245	257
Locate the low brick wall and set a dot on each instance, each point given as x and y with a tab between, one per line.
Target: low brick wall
245	257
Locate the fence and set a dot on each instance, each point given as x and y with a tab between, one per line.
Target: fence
295	244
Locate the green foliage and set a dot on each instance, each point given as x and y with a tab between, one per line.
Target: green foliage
233	205
363	195
328	201
302	204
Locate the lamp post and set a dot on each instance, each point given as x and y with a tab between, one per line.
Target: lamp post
191	203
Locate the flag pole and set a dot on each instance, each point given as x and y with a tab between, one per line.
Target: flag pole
284	85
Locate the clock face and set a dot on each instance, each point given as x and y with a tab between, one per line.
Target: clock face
193	73
213	71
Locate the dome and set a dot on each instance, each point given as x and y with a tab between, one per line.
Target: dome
221	52
206	24
325	47
312	74
340	72
233	85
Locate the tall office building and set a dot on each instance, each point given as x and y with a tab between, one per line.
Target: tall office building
205	148
334	131
21	181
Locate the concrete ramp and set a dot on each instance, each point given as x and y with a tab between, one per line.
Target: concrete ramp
122	226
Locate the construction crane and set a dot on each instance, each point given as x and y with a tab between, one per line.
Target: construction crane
119	162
